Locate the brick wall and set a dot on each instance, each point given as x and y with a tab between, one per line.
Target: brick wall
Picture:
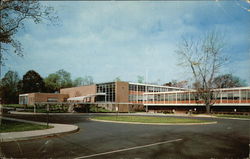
43	97
79	91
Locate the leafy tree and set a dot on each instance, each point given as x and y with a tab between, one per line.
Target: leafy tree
81	81
65	78
117	79
56	81
13	14
204	58
9	88
88	80
228	81
140	79
52	83
32	82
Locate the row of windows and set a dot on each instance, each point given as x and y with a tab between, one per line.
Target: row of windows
143	88
133	97
244	95
133	87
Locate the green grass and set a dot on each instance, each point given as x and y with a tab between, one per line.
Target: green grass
14	126
147	119
233	116
45	111
17	106
99	110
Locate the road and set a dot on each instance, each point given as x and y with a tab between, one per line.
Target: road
96	140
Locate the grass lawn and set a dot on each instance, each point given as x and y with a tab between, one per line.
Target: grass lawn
147	119
99	110
14	126
17	105
45	111
233	116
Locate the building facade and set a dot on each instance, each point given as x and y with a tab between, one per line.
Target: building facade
127	96
32	98
225	99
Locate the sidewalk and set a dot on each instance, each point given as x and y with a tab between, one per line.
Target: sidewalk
32	113
58	129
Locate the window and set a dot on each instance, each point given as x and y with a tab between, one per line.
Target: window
52	100
109	89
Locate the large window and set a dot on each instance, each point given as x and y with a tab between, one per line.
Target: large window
109	89
23	99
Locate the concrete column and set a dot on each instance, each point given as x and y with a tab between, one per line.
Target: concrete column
137	88
220	96
153	98
189	97
239	96
164	98
176	98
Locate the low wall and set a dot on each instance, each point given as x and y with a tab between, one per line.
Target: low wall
198	109
123	107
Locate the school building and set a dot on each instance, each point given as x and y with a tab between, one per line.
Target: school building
129	96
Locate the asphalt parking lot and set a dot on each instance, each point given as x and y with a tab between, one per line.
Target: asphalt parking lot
226	139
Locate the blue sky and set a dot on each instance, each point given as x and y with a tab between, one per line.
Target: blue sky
112	39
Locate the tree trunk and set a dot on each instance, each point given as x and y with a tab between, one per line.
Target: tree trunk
0	115
208	108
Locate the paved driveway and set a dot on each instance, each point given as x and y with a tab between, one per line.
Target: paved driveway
227	139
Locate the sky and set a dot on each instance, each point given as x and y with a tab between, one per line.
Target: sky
109	39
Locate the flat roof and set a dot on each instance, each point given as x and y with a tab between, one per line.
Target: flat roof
144	84
25	94
169	92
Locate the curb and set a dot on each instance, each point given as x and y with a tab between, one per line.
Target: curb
32	113
59	129
123	122
134	114
230	118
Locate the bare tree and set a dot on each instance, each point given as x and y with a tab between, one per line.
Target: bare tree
204	58
228	81
12	17
175	83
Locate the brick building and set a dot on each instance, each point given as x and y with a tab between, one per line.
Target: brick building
124	95
127	96
32	98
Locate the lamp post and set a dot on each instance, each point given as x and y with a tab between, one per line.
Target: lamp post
1	112
47	112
